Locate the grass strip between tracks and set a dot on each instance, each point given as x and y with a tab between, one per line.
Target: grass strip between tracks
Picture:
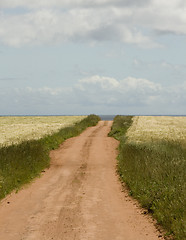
154	172
20	163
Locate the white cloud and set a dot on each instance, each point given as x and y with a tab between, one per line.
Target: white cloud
111	92
98	94
79	20
46	25
96	81
164	17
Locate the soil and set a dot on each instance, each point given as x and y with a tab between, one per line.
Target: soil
78	198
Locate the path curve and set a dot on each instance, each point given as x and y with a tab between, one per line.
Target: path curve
78	198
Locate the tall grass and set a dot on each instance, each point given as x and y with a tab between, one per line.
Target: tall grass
120	126
155	173
20	163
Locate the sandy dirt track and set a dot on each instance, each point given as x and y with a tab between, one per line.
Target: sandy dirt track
78	198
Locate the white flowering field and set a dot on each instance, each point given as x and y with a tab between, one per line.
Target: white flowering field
18	129
147	128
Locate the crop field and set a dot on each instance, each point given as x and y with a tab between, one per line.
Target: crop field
152	163
18	129
150	128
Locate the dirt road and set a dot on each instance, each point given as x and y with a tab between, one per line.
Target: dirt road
78	198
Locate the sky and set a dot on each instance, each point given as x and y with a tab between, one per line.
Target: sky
77	57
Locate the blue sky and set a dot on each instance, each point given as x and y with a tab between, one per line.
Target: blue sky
80	57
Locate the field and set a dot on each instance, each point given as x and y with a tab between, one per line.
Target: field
17	129
152	163
23	160
151	160
79	197
148	128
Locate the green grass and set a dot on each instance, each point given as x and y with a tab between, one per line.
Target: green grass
20	163
155	175
120	126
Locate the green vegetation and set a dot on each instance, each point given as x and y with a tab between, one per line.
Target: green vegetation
120	126
154	172
20	163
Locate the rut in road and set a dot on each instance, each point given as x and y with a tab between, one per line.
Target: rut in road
79	197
